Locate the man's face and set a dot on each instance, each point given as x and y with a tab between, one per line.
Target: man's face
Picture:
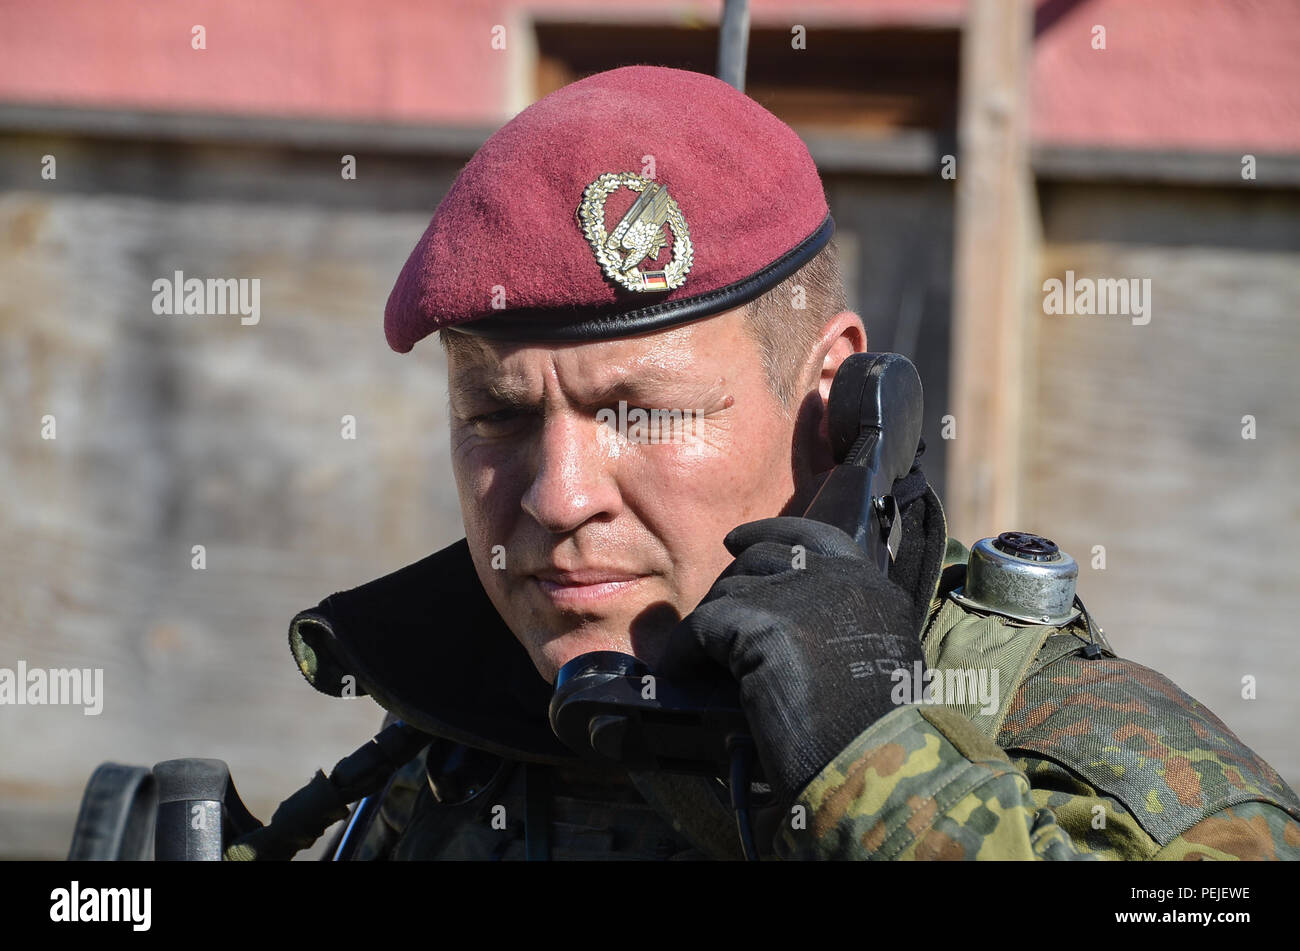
607	540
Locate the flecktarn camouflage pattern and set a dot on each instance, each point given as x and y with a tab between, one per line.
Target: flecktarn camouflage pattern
1096	759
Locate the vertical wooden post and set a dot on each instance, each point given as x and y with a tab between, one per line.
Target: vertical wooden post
994	205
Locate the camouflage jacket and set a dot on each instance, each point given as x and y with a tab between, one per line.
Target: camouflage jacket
1076	757
1082	759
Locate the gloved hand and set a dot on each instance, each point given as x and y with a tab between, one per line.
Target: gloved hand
812	647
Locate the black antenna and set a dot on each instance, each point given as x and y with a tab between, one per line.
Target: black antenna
733	43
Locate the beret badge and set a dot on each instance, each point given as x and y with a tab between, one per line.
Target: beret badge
640	234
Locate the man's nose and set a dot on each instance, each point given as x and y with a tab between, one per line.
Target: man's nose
572	475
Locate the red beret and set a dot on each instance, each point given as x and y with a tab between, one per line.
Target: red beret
629	201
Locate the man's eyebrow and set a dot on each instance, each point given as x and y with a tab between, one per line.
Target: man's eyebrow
639	384
506	392
510	393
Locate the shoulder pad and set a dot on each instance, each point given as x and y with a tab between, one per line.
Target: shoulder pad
1132	734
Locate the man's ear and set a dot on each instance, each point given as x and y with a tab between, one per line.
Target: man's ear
843	335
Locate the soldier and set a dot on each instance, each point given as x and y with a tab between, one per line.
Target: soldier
650	245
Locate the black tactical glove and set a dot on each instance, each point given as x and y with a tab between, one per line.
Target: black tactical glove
813	647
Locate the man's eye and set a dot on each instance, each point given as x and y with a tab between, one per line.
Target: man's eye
499	423
651	425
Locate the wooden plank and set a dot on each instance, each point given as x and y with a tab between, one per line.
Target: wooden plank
990	290
1164	167
276	131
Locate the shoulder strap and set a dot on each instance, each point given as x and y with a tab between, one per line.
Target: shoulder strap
977	662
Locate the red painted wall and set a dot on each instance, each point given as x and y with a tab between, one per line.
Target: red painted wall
1196	74
1200	74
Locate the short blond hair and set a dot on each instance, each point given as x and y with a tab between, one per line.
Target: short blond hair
787	321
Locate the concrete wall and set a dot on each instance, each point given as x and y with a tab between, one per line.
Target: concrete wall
182	431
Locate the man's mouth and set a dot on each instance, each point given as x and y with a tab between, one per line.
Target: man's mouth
585	588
